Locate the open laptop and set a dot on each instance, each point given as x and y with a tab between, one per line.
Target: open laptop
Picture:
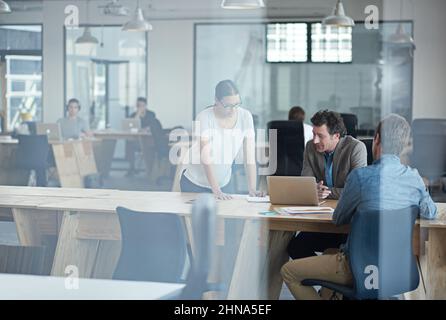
301	191
131	125
52	130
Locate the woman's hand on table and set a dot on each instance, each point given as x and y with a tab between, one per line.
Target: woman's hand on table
221	195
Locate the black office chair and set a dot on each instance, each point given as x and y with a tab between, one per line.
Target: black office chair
203	230
380	248
289	147
351	123
429	147
32	154
154	246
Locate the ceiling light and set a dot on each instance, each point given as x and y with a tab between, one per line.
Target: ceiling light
242	4
138	23
87	37
4	7
338	17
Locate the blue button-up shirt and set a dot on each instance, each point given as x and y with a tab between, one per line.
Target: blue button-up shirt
329	169
385	185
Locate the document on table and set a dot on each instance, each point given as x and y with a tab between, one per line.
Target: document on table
304	210
258	199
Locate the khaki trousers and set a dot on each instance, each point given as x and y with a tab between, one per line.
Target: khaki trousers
331	266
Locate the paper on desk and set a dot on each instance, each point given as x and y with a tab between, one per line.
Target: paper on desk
304	210
258	199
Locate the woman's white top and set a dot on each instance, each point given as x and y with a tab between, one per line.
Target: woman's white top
224	144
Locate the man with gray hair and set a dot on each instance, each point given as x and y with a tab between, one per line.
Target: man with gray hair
385	185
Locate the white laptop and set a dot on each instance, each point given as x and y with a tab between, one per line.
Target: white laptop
301	191
52	130
131	125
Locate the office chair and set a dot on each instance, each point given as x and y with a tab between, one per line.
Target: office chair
154	246
351	123
203	230
289	147
368	144
380	248
32	154
429	147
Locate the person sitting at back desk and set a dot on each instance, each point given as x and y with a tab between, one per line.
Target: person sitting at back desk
298	114
329	157
73	126
149	123
387	184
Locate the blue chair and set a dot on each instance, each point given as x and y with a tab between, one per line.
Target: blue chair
154	247
380	244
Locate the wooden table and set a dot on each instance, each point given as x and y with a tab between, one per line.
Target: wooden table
89	233
26	287
105	152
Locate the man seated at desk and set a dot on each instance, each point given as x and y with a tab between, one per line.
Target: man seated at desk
329	157
387	184
298	114
73	126
149	123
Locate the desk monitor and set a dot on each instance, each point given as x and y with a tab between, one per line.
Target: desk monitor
52	130
301	191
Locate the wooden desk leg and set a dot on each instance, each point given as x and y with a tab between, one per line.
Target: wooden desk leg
261	255
246	281
73	252
93	258
28	230
436	264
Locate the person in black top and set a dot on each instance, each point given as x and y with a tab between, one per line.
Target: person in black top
150	123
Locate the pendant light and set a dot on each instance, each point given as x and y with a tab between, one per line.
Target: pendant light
338	17
87	37
242	4
400	36
138	23
4	7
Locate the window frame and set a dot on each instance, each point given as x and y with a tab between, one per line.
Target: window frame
30	52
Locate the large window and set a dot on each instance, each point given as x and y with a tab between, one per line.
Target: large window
106	77
308	42
20	74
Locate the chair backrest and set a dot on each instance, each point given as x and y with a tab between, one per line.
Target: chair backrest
32	152
203	230
351	123
380	253
429	147
368	144
154	246
289	147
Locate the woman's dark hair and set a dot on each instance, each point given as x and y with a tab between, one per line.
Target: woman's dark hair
332	120
225	88
73	100
296	113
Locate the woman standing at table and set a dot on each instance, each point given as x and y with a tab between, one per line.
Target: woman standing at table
221	130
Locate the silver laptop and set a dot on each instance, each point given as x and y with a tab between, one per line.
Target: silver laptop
301	191
131	125
52	130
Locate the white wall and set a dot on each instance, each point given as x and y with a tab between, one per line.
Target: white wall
429	100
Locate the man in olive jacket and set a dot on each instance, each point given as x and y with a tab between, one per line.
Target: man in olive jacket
329	157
